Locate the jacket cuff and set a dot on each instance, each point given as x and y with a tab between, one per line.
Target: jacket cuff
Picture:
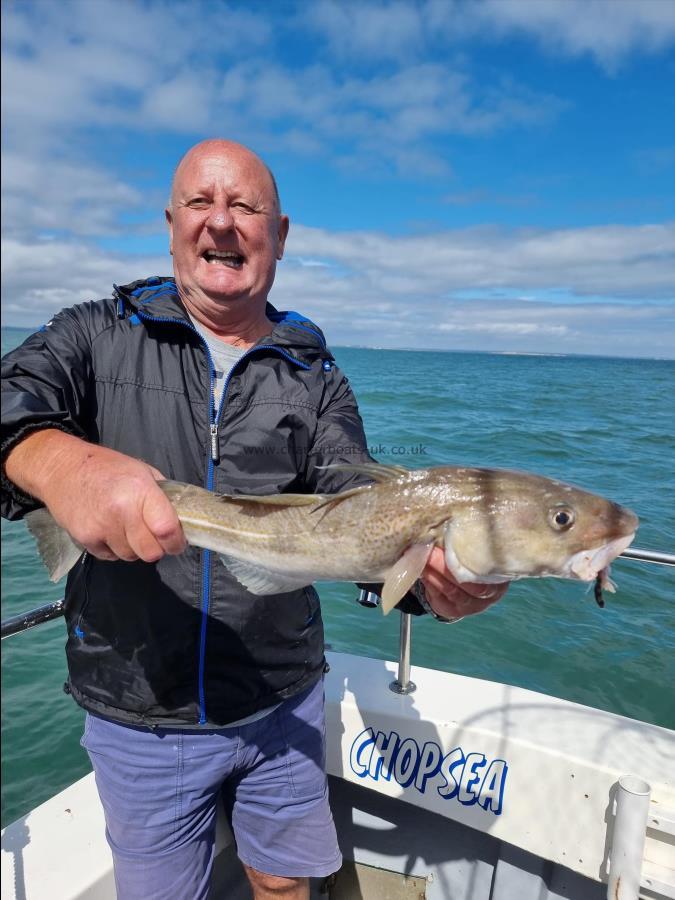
410	603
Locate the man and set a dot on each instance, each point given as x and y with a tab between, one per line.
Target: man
194	688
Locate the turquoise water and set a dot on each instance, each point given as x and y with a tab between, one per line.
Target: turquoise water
605	424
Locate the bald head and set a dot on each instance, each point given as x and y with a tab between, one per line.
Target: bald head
221	147
226	235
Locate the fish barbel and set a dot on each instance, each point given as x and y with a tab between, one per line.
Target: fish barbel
495	525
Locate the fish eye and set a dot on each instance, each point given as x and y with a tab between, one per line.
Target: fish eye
562	518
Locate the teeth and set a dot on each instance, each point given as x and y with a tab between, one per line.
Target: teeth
224	257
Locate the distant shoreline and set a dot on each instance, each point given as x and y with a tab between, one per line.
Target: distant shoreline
504	353
551	355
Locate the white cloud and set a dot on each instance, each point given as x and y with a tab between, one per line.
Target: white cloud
61	196
379	30
114	70
38	280
154	69
612	261
607	30
383	119
506	328
471	288
81	63
412	291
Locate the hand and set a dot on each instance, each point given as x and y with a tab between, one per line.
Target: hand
109	502
452	600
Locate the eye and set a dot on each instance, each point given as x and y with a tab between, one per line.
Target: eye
561	518
197	203
244	207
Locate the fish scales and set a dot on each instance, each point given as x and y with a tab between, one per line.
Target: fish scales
373	529
494	525
374	526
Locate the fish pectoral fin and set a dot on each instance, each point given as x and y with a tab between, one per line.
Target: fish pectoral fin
376	471
259	580
58	551
404	573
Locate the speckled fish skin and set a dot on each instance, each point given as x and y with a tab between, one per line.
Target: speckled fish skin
494	525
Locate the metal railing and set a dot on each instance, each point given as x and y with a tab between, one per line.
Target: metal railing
402	685
652	556
33	617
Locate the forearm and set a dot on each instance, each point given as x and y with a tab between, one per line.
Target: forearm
42	460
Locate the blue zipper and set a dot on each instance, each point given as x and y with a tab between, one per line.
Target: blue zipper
214	416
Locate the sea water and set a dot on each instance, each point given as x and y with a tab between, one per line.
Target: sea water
604	424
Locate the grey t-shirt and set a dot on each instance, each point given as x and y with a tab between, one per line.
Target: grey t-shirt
224	356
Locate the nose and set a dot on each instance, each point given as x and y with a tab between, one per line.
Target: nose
220	218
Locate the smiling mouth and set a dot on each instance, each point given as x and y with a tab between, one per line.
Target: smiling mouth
223	258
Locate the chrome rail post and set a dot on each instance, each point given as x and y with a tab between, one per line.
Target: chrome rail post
403	684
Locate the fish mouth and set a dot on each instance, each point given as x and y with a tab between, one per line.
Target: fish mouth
229	258
586	564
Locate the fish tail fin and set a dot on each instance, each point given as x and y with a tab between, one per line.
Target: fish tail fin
58	551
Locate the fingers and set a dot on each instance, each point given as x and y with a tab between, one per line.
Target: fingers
452	602
149	529
451	599
101	551
162	523
489	592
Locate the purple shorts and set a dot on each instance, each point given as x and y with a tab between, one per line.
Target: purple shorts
159	789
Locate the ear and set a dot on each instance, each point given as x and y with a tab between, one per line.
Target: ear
282	235
169	221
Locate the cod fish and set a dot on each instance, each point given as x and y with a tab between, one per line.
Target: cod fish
495	525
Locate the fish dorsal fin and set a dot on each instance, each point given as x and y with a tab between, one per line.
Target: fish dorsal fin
276	499
259	580
377	471
404	573
175	490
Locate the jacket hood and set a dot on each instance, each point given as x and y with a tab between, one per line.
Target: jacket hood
157	298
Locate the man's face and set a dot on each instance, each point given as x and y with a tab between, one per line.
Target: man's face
226	232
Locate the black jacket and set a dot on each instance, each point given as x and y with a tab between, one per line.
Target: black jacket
181	641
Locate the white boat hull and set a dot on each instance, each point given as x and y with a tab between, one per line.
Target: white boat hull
480	789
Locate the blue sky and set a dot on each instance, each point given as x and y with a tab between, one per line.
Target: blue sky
489	175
